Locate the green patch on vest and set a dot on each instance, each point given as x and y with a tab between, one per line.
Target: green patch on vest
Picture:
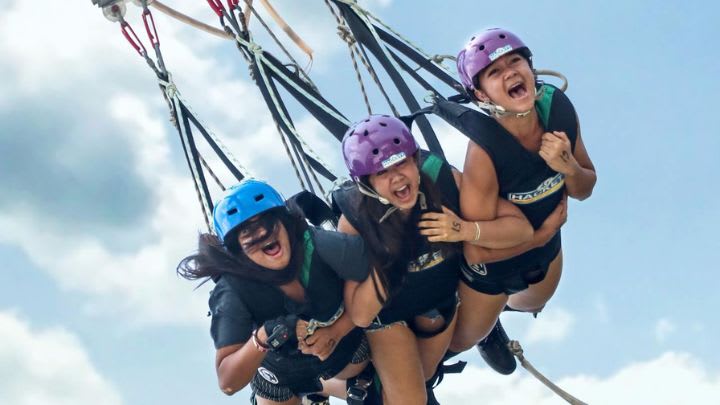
307	262
431	167
544	104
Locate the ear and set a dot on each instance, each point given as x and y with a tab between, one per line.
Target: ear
480	95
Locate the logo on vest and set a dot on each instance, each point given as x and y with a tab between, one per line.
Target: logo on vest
546	188
500	52
396	158
268	375
426	261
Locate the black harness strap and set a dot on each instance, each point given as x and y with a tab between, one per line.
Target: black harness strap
363	35
215	147
191	153
268	96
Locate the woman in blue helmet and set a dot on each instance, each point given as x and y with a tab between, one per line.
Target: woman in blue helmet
278	319
528	151
401	201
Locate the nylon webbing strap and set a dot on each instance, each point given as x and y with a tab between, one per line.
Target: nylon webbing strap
193	160
365	37
336	123
265	91
417	58
215	147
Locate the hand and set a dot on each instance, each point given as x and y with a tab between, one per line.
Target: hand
321	343
556	150
288	323
442	227
552	223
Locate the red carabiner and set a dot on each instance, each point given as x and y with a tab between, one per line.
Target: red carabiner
132	38
153	35
217	7
232	4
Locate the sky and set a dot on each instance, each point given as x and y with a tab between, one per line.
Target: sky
97	206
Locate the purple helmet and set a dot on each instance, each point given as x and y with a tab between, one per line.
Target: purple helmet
376	143
483	49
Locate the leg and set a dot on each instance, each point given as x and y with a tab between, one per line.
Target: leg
432	349
395	355
476	317
534	298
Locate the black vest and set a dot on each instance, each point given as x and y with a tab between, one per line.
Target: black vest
323	291
323	296
523	176
434	282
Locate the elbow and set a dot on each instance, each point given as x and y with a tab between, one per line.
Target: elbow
228	389
230	386
361	320
526	235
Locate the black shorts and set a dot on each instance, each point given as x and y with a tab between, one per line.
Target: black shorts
446	310
476	277
280	378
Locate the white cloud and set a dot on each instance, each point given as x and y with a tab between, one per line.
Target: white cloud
47	367
663	329
552	325
670	379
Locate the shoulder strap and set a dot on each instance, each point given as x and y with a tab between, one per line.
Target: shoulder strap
557	112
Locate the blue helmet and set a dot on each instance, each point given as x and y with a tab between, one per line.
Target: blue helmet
242	202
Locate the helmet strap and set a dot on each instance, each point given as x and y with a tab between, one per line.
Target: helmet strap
370	192
498	111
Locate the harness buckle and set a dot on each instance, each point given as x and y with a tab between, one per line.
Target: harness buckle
358	391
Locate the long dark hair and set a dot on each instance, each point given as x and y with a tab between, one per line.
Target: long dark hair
396	241
214	258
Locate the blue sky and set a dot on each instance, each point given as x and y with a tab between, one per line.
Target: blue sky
97	208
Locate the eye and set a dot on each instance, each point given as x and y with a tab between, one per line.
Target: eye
492	72
381	173
515	59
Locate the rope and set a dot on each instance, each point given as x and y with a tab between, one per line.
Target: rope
285	27
290	156
277	41
517	350
548	72
207	167
261	68
174	93
347	36
366	13
190	21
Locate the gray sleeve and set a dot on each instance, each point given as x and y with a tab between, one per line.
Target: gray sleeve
346	254
231	321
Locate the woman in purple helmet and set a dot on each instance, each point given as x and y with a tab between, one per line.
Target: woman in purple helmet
402	202
530	152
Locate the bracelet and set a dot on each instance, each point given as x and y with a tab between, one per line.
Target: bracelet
262	347
477	231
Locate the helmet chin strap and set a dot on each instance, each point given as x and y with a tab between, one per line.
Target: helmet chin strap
370	192
500	111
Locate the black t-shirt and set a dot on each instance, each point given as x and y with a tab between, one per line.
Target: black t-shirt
232	322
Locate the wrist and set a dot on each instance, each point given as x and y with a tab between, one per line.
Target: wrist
573	170
259	339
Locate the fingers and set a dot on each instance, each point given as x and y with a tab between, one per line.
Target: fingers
432	216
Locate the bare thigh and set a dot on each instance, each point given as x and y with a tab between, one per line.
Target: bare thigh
534	298
476	317
432	349
395	355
